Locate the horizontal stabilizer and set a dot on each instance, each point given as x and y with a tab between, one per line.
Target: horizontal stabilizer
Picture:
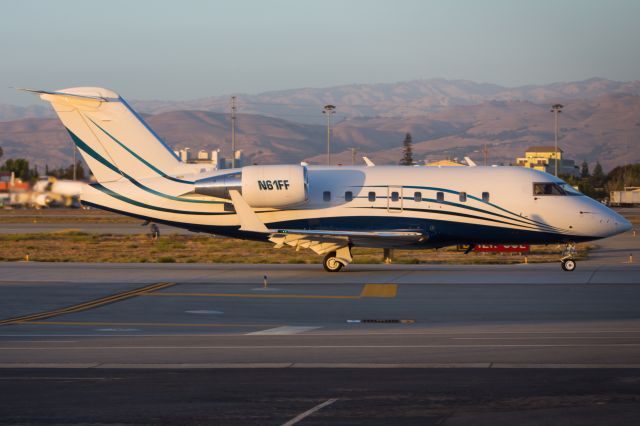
75	95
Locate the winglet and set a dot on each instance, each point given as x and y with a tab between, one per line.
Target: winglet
249	220
368	162
470	162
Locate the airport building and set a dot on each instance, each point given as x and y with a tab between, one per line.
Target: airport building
214	158
544	158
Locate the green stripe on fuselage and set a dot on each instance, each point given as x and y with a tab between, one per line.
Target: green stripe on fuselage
93	154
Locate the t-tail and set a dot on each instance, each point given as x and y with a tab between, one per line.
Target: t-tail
113	139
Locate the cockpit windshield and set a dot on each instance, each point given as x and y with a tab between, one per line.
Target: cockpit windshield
554	188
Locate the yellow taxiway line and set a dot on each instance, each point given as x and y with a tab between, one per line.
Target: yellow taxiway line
369	290
87	305
146	324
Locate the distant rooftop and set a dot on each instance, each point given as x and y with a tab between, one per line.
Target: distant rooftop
543	149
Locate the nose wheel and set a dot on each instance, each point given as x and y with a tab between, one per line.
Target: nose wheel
568	265
567	261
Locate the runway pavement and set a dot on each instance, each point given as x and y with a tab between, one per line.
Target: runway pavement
409	337
193	314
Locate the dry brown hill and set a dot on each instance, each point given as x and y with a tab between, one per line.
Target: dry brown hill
606	128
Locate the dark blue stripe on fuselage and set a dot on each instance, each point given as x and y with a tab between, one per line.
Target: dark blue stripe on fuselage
516	217
441	233
133	202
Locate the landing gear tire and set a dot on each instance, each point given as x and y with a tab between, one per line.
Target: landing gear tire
331	263
567	261
568	265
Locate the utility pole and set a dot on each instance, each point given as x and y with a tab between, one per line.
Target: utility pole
556	109
353	156
233	132
485	153
328	111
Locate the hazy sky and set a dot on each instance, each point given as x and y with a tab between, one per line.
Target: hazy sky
189	49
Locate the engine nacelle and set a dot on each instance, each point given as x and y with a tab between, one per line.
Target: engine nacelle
275	186
261	186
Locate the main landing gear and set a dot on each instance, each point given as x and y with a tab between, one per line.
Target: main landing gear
334	261
567	260
331	262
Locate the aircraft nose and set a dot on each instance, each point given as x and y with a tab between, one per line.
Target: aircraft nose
615	224
626	225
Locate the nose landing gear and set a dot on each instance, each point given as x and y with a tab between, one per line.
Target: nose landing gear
567	260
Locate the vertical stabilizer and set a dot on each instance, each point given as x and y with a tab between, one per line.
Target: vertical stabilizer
113	139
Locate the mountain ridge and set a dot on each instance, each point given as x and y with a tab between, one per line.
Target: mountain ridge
400	99
605	128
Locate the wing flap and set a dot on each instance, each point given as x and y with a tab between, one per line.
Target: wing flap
399	233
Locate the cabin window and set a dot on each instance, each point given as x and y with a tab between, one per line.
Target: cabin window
348	196
440	196
326	195
372	196
463	197
417	197
485	197
395	196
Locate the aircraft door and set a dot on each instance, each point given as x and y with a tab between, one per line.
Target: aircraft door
394	199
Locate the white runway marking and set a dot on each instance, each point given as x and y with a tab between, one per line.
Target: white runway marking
282	331
309	412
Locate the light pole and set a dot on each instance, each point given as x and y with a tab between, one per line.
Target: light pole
328	111
556	109
233	132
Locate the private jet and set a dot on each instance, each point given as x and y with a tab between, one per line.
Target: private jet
328	209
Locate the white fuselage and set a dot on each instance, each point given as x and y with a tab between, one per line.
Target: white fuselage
497	205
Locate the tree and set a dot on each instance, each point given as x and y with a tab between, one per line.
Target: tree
1	152
407	151
622	176
19	166
584	170
598	177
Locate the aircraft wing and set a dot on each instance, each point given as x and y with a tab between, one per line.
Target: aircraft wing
400	233
324	241
320	241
